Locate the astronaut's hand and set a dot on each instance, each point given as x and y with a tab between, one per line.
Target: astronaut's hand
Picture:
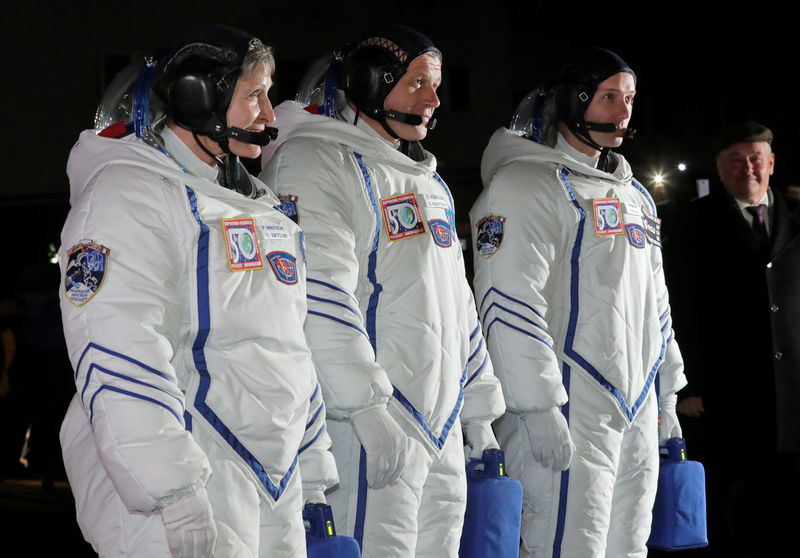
189	522
479	437
668	425
385	444
551	442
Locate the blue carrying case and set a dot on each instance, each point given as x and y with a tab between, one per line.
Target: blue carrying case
494	509
321	538
679	513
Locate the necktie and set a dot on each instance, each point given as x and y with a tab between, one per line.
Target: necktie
759	227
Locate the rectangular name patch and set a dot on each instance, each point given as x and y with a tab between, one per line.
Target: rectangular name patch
438	201
274	232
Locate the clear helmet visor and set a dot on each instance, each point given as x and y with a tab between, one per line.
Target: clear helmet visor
535	117
320	83
312	84
128	98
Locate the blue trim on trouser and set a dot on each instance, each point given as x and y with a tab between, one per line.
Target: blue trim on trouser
564	486
361	502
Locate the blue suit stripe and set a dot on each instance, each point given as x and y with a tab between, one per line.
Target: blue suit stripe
131	394
329	301
474	332
507	297
512	326
646	195
198	354
361	499
331	287
446	189
90	346
478	371
338	320
126	378
508	311
440	440
372	262
315	417
310	442
477	349
573	318
563	490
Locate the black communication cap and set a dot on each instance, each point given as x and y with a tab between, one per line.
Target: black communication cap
747	131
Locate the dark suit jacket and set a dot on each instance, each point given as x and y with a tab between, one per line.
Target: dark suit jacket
736	315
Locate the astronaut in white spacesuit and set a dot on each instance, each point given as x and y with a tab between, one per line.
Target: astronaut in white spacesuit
571	295
197	409
392	322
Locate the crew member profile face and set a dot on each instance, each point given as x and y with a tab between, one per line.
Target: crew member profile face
612	102
415	93
745	168
250	109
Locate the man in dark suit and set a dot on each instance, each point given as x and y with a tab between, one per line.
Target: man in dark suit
733	271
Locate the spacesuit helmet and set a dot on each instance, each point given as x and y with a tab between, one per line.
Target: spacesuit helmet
371	68
576	85
535	117
118	104
196	79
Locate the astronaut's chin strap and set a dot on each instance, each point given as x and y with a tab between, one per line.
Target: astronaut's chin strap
231	174
605	163
411	149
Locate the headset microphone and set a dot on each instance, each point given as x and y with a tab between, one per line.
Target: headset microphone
602	127
412	119
607	128
256	138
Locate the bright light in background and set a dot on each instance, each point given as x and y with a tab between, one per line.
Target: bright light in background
658	179
682	167
52	253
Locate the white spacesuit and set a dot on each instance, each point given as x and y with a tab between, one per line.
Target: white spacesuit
183	306
391	319
571	295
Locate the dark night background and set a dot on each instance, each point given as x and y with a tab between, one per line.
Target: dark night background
700	66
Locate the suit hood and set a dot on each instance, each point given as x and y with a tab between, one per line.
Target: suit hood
506	147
